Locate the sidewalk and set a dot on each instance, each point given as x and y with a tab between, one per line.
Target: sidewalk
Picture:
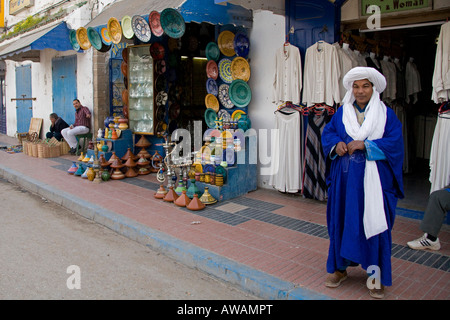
270	244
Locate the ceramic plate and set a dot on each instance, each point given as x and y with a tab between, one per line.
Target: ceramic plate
73	40
210	118
157	51
211	102
209	168
224	114
82	38
155	23
211	87
212	51
212	71
224	98
172	23
240	93
141	28
160	66
105	36
114	30
161	98
127	29
241	44
226	43
225	70
240	69
94	38
237	114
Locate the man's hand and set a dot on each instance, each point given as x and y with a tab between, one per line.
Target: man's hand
355	145
88	115
341	148
71	126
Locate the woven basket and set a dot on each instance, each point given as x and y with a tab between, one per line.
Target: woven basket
64	147
25	147
34	149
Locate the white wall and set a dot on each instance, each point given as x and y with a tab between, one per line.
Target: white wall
266	36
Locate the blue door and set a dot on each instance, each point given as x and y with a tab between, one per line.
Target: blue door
24	105
64	86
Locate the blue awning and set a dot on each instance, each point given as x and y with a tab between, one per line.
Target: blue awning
28	46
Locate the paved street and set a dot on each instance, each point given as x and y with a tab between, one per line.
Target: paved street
47	252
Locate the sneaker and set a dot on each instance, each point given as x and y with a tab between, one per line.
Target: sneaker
377	293
424	243
72	151
335	279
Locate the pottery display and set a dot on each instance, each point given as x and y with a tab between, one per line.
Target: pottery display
130	164
117	165
90	174
161	193
105	175
193	189
171	195
183	200
207	198
181	187
196	204
73	168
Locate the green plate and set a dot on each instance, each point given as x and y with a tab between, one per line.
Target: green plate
73	40
210	118
94	38
172	23
127	29
212	51
240	93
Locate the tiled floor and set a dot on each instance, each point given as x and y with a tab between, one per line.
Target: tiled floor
282	235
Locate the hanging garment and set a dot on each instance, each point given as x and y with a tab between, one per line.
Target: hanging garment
285	165
346	64
314	183
287	80
389	71
321	75
440	154
412	79
441	75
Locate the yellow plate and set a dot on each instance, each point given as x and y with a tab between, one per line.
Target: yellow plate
240	69
199	168
226	43
114	30
237	114
212	102
82	38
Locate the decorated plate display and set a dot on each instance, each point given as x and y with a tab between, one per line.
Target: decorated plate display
224	98
240	93
114	30
211	87
127	29
73	40
155	23
105	36
141	28
225	70
226	43
237	114
212	51
211	102
241	44
210	118
82	38
224	114
172	23
94	38
161	98
212	71
240	69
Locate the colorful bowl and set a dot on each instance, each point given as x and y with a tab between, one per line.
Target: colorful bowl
240	93
240	69
212	71
211	102
210	118
127	29
73	40
141	28
154	20
172	23
241	44
212	51
224	96
114	30
82	38
157	51
105	36
211	87
226	43
94	38
225	70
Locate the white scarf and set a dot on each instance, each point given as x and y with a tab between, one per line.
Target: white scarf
374	219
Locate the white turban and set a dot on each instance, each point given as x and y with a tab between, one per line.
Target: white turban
372	128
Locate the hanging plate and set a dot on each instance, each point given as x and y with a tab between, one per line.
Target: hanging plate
240	93
211	102
210	118
237	114
241	44
141	28
224	114
211	87
94	38
157	51
114	30
82	38
212	51
240	69
226	43
127	29
212	71
172	23
105	36
155	23
224	98
73	40
225	70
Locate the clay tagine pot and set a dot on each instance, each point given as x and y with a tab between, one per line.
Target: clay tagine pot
183	200
161	193
171	195
196	204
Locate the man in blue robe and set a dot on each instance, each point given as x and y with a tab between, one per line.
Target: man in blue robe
364	142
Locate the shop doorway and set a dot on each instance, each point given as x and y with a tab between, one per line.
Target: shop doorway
64	86
24	105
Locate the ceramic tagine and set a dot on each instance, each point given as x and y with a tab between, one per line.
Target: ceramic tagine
72	168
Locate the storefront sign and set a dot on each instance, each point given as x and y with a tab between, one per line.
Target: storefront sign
116	49
391	6
16	6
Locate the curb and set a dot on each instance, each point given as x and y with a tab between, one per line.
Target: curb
250	280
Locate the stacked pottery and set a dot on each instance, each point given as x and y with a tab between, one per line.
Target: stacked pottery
161	193
143	165
117	174
131	172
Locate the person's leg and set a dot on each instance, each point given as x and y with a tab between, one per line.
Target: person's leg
437	207
69	135
58	136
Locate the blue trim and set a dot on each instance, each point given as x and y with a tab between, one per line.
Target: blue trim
57	39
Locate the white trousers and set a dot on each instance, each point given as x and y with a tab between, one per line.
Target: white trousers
69	134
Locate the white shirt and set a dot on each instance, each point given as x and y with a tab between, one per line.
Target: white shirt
321	75
346	64
412	79
390	72
287	81
441	76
